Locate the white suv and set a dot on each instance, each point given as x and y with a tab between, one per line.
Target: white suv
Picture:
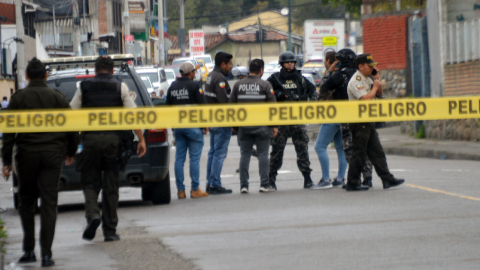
198	73
156	75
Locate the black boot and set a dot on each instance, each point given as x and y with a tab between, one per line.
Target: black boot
307	182
392	183
367	182
28	257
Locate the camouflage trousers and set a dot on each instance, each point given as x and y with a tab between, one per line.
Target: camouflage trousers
348	149
300	140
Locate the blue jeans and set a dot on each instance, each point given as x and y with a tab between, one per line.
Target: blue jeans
219	140
191	139
326	134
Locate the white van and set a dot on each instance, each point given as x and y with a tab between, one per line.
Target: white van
156	75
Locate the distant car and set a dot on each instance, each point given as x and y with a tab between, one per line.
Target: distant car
267	74
204	69
175	68
157	77
314	62
171	76
148	84
316	75
179	61
273	66
208	61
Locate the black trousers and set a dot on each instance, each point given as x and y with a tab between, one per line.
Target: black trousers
38	176
99	153
366	144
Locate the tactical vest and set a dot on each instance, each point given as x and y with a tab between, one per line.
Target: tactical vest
100	92
342	93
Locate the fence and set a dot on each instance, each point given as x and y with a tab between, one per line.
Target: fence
462	42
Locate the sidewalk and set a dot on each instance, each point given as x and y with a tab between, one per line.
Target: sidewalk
395	143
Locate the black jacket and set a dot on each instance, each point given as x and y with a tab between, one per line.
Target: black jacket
292	86
185	91
217	89
37	95
335	85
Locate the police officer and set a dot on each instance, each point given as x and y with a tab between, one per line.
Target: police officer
334	85
217	91
38	162
253	89
290	85
364	136
100	149
185	91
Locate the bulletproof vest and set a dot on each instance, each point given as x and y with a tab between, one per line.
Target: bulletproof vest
101	92
294	86
342	92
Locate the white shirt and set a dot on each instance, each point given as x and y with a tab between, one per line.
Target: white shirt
358	86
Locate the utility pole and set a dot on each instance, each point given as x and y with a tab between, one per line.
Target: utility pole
261	37
84	20
126	26
76	29
182	26
54	32
290	25
20	45
161	37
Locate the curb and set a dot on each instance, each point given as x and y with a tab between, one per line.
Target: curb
429	153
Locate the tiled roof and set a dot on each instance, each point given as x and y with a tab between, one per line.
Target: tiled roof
250	37
210	40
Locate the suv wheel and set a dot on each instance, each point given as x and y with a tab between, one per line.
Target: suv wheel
161	191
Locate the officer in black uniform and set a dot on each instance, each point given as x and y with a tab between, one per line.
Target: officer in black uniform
290	85
100	149
335	85
38	162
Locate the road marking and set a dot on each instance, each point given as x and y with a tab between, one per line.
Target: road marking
444	192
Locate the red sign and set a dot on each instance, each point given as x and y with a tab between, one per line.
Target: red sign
128	37
315	32
334	31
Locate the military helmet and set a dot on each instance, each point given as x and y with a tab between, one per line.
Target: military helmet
287	57
346	56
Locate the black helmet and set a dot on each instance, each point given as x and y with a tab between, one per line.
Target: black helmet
346	56
287	57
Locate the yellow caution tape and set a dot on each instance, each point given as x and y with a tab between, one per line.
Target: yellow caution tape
235	115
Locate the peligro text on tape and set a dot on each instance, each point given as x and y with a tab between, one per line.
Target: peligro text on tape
237	115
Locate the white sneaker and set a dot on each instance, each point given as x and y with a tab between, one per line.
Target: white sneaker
267	188
244	190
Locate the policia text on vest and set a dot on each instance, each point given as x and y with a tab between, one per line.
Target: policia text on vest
241	115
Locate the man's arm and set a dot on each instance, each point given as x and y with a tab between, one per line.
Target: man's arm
141	147
73	139
169	95
220	88
233	95
199	95
311	90
76	102
8	140
376	85
279	94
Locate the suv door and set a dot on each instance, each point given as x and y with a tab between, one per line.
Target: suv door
163	80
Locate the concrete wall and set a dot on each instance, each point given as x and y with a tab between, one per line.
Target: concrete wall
5	86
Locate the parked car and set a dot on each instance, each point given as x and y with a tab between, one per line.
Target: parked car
151	172
208	61
157	77
273	66
148	84
314	62
204	69
316	74
179	61
267	74
171	76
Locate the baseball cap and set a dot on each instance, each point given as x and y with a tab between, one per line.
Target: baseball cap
187	67
104	60
365	58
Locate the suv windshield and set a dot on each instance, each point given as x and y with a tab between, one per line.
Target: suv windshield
205	59
170	74
153	76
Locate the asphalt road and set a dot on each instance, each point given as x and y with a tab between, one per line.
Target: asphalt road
431	222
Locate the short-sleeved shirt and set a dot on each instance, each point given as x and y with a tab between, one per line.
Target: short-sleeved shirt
359	86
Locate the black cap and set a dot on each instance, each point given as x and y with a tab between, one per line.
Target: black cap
365	58
104	60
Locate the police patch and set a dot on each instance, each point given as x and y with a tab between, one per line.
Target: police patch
360	87
271	91
133	95
201	91
359	78
222	85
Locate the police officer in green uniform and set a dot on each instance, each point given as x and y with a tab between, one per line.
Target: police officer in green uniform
364	136
38	162
100	150
290	85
